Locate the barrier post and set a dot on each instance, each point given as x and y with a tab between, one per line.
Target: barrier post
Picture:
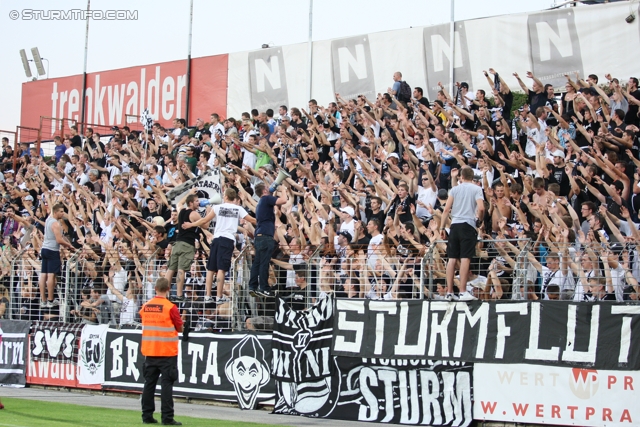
15	291
239	293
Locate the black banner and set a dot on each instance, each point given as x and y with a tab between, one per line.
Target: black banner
306	374
601	335
231	367
405	392
55	342
13	352
312	382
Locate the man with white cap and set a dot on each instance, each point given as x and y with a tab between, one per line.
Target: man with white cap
555	173
348	224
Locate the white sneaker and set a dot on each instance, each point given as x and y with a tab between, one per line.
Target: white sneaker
222	300
451	297
466	296
208	299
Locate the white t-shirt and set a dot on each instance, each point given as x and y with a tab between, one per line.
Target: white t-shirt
106	232
428	197
128	311
294	259
550	277
537	137
216	128
349	227
227	216
372	256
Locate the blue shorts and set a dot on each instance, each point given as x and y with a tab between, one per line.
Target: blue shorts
50	261
221	254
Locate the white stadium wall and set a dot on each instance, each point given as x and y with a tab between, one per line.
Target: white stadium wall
593	39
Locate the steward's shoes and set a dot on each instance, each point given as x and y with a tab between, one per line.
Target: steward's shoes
150	421
171	423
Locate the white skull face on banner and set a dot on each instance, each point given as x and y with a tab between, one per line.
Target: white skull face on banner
247	371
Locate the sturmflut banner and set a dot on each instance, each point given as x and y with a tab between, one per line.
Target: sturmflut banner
601	336
555	395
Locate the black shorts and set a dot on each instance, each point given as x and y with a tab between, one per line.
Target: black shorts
221	254
50	261
462	241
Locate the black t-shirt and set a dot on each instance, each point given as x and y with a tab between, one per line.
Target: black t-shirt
536	100
632	113
380	216
171	231
148	216
406	203
76	141
559	176
508	104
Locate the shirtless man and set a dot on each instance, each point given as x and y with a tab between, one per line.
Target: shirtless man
500	205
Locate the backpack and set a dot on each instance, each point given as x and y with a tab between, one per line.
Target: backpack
404	94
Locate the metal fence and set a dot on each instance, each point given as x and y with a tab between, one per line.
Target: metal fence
501	270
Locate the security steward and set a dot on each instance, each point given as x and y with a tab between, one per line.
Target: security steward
161	323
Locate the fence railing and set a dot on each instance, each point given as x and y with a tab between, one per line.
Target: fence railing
501	270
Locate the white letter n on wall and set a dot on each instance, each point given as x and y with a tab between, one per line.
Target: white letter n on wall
264	72
357	64
440	48
561	40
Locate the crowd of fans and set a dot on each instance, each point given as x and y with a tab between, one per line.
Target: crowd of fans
367	182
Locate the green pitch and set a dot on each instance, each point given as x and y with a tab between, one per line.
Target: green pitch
32	413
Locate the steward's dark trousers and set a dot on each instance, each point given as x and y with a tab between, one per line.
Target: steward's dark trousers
152	369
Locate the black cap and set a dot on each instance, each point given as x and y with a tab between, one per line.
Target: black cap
346	234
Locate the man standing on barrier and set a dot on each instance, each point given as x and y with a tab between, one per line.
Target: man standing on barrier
224	241
184	250
466	205
264	242
161	323
50	252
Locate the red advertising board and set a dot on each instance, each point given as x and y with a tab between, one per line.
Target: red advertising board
112	95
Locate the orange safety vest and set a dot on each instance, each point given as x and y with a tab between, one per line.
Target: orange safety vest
159	335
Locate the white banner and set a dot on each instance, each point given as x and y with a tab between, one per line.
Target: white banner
207	186
91	354
554	395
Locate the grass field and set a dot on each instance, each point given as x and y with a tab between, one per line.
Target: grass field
32	413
